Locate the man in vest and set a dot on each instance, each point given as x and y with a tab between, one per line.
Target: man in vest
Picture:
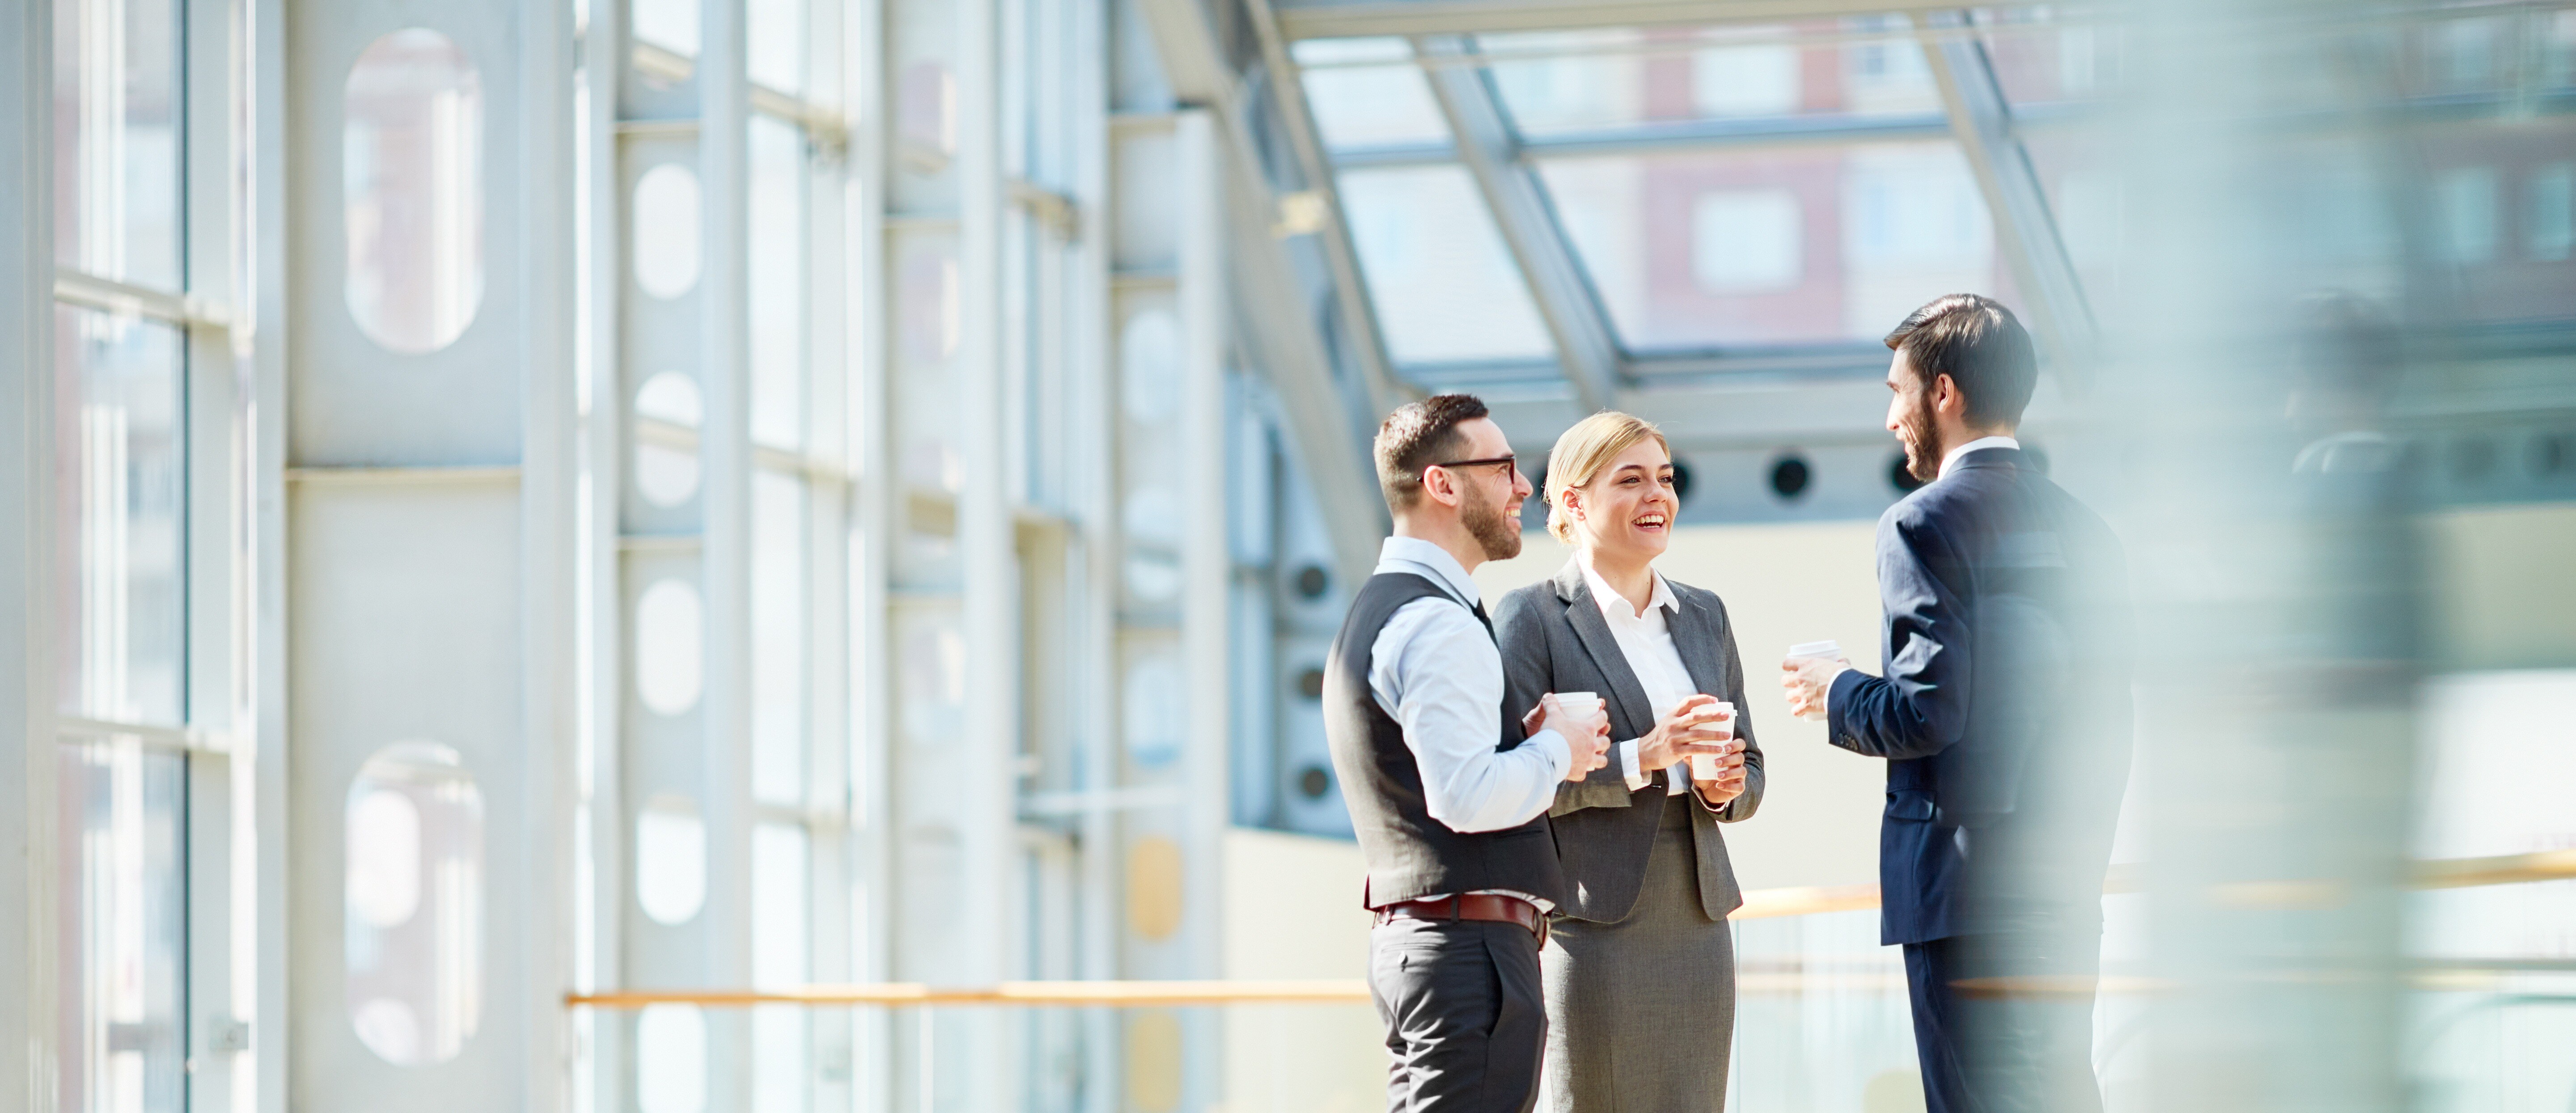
1448	799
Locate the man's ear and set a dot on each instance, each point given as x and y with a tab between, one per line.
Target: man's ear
1946	395
1436	486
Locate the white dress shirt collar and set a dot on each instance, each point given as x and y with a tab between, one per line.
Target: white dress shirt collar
1427	557
1615	605
1950	459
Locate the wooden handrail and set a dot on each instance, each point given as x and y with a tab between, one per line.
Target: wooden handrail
2125	877
1333	991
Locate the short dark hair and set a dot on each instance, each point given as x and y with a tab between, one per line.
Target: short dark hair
1416	436
1982	347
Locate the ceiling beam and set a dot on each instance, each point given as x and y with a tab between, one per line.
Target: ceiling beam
2025	229
1585	346
1330	424
1287	88
1327	19
1677	138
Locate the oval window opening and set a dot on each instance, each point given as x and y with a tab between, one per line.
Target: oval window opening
411	176
666	231
669	664
412	927
670	860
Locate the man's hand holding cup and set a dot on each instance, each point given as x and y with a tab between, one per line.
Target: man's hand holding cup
1584	723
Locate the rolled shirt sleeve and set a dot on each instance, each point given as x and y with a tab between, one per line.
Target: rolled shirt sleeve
1435	669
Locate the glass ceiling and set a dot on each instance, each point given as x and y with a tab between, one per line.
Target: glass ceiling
1724	188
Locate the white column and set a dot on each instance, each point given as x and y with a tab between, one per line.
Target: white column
1207	565
985	803
28	955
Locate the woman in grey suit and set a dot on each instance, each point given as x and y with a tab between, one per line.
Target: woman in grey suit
1639	966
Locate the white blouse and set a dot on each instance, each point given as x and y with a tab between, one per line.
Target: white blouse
1647	642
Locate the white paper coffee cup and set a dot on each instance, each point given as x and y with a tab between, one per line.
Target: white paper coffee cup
1825	648
1702	766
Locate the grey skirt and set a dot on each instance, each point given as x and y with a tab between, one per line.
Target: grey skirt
1641	1013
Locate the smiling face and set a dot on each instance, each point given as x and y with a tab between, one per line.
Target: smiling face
1911	416
1626	511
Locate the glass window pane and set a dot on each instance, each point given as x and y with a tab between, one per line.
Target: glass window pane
2038	62
117	208
666	465
777	282
669	24
1784	246
414	900
1368	93
121	513
1561	83
925	103
124	924
776	44
411	171
778	961
778	638
671	1059
1445	286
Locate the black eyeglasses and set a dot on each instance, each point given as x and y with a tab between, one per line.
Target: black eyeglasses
1508	462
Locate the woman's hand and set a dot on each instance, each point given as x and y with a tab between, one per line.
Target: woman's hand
1717	793
1689	729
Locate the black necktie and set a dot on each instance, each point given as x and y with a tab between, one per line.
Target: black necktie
1479	608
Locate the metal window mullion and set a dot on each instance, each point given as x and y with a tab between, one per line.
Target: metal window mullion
607	1046
1585	346
869	838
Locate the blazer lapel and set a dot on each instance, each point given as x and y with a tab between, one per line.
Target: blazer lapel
1695	635
1593	631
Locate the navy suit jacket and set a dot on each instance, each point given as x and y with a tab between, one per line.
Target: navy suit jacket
2005	711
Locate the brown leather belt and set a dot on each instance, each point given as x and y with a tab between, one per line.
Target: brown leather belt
1494	907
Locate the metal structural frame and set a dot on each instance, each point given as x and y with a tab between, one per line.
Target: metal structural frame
1703	390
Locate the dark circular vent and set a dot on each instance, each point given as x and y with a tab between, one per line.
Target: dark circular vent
1900	478
2549	454
1310	683
1312	581
1789	476
1314	782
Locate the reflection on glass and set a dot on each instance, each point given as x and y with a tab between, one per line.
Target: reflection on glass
777	638
671	1059
123	971
2039	63
1561	83
666	230
666	468
117	186
670	859
411	171
414	898
1788	246
670	626
120	512
1360	104
778	961
776	247
1445	286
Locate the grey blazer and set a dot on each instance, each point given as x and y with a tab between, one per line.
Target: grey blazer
1555	640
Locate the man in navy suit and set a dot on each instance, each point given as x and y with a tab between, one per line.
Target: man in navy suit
2004	718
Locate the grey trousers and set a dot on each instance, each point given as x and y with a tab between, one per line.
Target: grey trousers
1460	1001
1641	1013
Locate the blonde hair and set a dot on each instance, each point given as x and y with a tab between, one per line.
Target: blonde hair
1581	454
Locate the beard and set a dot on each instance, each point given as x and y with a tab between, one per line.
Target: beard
1496	532
1922	440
